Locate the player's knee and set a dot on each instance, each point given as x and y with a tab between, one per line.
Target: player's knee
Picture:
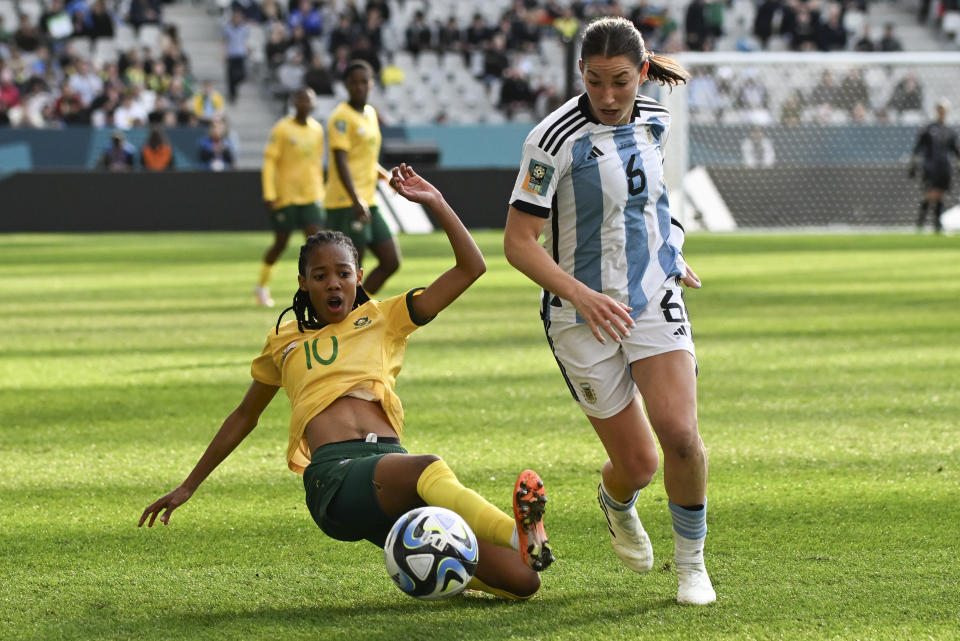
525	586
683	443
637	470
423	461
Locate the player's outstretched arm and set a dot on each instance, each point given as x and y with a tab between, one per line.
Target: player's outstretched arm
235	428
469	261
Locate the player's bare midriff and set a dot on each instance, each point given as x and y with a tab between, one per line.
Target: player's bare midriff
347	418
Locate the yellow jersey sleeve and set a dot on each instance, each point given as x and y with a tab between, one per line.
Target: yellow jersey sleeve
339	131
264	368
271	154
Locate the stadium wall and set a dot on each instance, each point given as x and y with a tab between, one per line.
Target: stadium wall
197	201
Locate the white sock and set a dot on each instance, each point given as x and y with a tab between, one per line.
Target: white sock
515	539
688	551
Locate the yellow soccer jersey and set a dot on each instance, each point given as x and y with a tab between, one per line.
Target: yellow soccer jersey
316	367
293	163
359	135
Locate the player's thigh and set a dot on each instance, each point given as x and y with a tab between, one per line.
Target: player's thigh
310	217
284	220
343	220
597	374
380	232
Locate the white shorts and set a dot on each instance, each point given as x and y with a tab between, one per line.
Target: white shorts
598	374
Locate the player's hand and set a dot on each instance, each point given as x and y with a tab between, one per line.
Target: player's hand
604	315
170	502
690	279
270	204
361	212
413	187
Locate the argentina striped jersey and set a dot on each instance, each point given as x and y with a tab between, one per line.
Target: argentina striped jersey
602	191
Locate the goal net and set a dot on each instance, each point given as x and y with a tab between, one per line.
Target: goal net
803	140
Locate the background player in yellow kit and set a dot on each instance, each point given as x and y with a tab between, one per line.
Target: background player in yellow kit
354	136
338	362
292	179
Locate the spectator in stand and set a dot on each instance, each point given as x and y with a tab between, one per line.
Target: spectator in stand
853	91
363	50
307	16
449	37
119	155
6	37
215	149
753	100
318	77
373	30
343	34
476	36
380	6
826	92
697	28
791	110
85	82
907	95
130	113
208	104
890	41
143	12
516	95
103	106
418	35
495	60
275	51
757	149
27	37
272	12
767	12
290	73
235	34
805	30
300	40
157	153
251	10
68	107
831	35
865	42
98	22
9	94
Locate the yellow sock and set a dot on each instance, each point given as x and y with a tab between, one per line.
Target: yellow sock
438	485
266	273
477	584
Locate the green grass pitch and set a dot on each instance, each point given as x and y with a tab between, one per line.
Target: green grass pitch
829	403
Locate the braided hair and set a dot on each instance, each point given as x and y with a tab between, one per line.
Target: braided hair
303	309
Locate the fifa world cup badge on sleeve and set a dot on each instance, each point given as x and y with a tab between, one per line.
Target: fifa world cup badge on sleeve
538	178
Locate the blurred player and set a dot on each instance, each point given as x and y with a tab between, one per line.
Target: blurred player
354	137
591	179
292	179
934	145
338	362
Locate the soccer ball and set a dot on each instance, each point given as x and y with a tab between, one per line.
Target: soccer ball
431	553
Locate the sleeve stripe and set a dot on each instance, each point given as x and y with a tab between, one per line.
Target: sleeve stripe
530	208
575	122
559	120
413	315
566	136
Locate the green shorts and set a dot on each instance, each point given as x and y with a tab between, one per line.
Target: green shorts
294	217
340	492
373	233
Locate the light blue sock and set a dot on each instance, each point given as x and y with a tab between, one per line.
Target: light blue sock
690	524
614	504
